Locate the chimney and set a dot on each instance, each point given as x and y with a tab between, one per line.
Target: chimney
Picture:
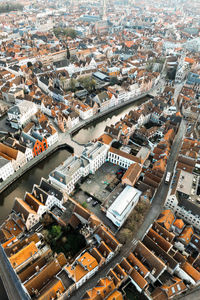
37	268
41	197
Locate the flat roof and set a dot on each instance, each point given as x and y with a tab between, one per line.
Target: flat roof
185	181
124	199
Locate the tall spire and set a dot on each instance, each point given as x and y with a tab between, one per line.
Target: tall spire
104	10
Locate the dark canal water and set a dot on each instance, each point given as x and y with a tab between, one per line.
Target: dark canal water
25	183
93	131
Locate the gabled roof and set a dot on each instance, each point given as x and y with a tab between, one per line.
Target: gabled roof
132	174
179	223
191	271
24	254
125	155
166	218
23	208
186	235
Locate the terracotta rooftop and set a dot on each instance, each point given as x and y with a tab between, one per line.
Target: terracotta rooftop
166	218
125	155
24	254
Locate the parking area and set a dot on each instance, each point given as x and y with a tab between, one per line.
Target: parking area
96	189
82	197
101	184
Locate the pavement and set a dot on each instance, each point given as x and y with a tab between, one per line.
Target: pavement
63	139
81	197
155	209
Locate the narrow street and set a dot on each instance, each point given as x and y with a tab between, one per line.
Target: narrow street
156	207
10	280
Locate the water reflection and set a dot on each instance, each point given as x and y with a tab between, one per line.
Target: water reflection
93	131
25	183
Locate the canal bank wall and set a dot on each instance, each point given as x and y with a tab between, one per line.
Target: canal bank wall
84	123
32	163
64	141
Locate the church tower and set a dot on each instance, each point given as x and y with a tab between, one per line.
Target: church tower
104	11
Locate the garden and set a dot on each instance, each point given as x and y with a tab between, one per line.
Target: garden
64	239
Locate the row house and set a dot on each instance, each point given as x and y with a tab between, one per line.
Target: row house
103	100
16	145
35	204
84	110
183	198
184	237
37	145
11	94
46	276
83	268
28	215
66	119
6	168
118	92
137	117
16	157
48	194
133	90
104	288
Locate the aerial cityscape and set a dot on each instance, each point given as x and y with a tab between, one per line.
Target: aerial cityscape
100	150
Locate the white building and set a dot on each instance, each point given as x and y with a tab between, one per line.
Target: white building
182	198
67	174
118	92
84	111
28	215
52	138
96	155
16	157
83	268
21	114
48	195
121	158
120	209
6	168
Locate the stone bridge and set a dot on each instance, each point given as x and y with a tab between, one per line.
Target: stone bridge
67	139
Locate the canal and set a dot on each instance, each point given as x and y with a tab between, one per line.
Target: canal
90	132
25	183
33	176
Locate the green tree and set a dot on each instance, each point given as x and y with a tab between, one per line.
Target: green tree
124	235
72	84
67	32
84	204
87	83
55	231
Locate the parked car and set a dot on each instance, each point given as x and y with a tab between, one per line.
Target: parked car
89	199
95	203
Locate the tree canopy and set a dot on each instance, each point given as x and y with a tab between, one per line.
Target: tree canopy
87	83
68	32
8	6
